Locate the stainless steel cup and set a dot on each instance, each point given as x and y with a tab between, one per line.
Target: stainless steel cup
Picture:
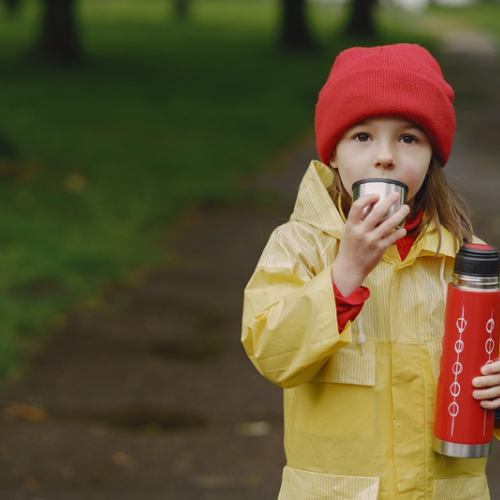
382	187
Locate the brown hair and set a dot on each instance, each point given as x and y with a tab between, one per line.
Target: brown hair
439	202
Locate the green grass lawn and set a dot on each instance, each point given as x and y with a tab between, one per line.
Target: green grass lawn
100	159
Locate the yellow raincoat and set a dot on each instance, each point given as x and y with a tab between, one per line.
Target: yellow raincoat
359	405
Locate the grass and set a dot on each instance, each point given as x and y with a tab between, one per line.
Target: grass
481	16
97	161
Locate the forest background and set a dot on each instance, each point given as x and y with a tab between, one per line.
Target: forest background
116	116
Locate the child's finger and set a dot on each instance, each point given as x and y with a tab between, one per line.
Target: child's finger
392	223
488	389
379	212
491	404
361	206
491	368
487	381
393	236
489	394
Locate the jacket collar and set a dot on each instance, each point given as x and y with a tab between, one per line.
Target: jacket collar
429	242
314	204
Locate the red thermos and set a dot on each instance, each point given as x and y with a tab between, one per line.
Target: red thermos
462	428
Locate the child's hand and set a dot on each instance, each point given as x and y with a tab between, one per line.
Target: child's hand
365	239
489	386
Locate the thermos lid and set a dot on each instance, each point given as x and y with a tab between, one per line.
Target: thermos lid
477	259
380	179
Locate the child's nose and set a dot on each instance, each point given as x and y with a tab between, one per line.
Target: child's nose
384	157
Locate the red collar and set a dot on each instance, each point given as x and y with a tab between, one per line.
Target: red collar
404	244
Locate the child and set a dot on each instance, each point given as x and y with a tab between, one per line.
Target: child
345	310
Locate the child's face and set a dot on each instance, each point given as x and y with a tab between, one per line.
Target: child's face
386	147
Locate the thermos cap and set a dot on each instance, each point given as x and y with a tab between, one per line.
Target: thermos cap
381	179
477	259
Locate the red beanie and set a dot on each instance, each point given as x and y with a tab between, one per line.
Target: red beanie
392	80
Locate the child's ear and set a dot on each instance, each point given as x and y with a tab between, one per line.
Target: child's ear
333	163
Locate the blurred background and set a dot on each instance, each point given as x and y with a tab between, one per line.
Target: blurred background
135	140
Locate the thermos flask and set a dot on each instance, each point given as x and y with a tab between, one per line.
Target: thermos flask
462	427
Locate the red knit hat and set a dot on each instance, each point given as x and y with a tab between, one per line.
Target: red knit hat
392	80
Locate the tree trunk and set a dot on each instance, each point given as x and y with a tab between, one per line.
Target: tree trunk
12	7
181	9
59	38
361	21
295	32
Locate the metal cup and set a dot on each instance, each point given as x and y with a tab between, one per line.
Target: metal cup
382	187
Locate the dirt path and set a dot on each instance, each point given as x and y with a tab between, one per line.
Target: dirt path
150	396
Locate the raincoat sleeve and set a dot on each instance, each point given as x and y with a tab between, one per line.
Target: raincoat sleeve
289	314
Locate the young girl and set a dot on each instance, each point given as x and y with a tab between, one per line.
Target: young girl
345	310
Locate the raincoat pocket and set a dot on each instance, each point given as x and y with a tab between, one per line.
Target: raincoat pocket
304	485
353	364
462	488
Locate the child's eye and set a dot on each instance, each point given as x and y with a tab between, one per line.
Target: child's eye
362	137
408	139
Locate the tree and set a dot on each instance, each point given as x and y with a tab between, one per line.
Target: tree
59	35
295	32
181	9
12	6
361	19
